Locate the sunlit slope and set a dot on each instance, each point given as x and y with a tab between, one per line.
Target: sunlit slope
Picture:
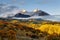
44	26
50	28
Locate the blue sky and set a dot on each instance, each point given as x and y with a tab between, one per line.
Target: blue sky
49	6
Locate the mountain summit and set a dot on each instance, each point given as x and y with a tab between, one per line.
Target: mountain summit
36	12
23	11
39	13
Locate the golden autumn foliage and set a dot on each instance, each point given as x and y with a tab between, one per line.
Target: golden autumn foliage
51	29
10	28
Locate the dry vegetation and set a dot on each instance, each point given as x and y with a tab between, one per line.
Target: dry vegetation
30	30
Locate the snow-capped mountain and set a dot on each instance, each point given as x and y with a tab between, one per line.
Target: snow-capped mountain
39	13
7	11
33	13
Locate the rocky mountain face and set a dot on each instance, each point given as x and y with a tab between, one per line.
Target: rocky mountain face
21	15
40	13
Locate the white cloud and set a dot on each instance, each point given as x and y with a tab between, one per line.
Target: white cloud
7	10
